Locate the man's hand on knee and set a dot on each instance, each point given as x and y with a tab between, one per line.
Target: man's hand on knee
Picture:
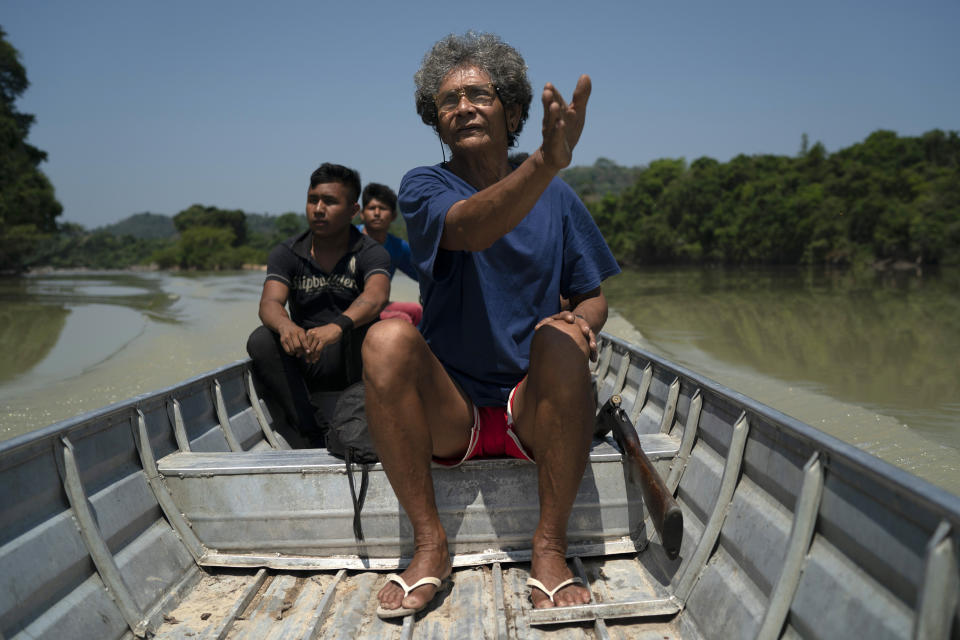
293	339
318	338
572	324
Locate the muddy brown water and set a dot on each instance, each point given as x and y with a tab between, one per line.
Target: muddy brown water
870	358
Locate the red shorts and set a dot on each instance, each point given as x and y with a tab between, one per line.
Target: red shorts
492	435
409	311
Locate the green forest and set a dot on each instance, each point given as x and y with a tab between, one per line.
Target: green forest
199	237
889	198
885	200
28	208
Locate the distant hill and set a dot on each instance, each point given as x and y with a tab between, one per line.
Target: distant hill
146	226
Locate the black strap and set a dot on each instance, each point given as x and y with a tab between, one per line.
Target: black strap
357	502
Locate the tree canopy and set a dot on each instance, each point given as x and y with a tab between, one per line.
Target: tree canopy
209	238
199	215
28	207
886	198
147	239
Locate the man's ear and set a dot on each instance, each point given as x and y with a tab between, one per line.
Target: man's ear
356	208
513	117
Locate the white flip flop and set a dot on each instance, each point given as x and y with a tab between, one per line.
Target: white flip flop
533	582
400	612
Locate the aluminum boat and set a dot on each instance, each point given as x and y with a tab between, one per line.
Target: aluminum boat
184	513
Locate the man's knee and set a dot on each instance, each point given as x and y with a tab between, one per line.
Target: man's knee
262	344
390	343
561	339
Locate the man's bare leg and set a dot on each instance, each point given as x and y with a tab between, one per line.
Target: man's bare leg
402	375
554	414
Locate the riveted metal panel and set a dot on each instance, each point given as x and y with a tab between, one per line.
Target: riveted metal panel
774	461
649	419
152	564
107	453
158	419
125	509
868	526
725	603
86	611
700	484
27	586
801	534
30	489
835	596
630	394
200	418
243	421
755	535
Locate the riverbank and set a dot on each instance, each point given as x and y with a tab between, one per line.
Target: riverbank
135	268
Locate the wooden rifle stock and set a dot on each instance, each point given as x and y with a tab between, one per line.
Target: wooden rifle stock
664	511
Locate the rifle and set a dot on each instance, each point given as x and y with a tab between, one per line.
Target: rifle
664	511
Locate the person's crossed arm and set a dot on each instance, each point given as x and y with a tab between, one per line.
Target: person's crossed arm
365	309
309	344
273	314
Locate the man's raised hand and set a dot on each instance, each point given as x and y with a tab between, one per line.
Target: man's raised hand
563	122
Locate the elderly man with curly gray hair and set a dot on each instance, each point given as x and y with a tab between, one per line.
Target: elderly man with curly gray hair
496	368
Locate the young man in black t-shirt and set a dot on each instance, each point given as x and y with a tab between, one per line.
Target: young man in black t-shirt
335	281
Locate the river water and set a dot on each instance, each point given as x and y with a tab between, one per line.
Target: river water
77	342
869	358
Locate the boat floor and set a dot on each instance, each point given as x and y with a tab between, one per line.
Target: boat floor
491	601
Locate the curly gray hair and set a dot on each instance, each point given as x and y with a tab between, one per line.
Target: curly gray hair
487	52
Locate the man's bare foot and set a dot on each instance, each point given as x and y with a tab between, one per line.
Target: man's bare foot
428	561
550	567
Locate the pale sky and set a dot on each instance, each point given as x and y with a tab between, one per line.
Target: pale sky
156	106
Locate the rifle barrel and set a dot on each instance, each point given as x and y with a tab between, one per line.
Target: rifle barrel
664	511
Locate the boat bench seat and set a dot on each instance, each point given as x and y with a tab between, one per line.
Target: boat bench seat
292	509
655	445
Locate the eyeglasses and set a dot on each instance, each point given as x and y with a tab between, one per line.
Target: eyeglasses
479	95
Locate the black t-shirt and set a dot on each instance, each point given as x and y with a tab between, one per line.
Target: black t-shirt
317	297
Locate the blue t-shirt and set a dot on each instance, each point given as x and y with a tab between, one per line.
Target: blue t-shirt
399	252
480	308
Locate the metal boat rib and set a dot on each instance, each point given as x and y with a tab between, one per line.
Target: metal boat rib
184	513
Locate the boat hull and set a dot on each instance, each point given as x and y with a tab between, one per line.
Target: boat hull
182	512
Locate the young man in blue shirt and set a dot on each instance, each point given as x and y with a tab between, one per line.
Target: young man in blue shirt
378	213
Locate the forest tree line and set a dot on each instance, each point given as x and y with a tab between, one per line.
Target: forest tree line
199	237
888	198
28	207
